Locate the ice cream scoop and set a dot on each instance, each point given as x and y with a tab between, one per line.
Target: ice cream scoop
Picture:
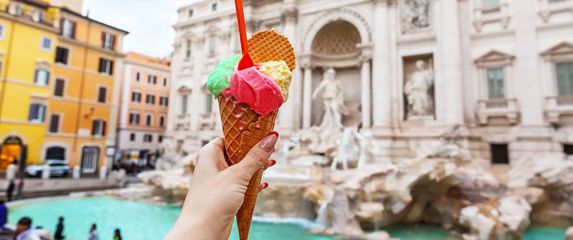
220	78
257	90
280	73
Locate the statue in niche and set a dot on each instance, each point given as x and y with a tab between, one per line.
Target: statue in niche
419	98
416	14
333	98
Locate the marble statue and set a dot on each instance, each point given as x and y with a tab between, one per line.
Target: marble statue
416	14
332	96
368	149
417	90
346	149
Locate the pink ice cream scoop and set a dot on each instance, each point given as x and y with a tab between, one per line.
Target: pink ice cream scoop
251	87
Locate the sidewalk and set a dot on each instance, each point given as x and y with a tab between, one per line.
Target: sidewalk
54	187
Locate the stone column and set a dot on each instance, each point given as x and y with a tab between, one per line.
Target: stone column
287	113
366	89
307	94
452	87
381	108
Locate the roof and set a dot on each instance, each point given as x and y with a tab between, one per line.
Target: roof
148	60
67	10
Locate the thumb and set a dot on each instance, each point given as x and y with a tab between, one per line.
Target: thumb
255	159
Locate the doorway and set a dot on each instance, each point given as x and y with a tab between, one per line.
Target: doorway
90	159
499	154
12	150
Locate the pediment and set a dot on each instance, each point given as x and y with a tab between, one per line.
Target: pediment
560	49
494	56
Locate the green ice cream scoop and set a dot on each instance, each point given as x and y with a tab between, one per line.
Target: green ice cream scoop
220	78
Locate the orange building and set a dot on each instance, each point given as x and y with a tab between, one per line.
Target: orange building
83	104
144	104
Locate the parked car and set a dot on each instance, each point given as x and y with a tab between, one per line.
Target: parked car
58	168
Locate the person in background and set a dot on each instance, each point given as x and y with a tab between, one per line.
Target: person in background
10	190
93	233
3	214
19	188
117	234
24	230
59	234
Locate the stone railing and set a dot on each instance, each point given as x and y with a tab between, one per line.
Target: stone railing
557	107
491	14
208	120
503	108
550	7
182	121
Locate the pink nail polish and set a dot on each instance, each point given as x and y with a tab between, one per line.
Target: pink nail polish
268	143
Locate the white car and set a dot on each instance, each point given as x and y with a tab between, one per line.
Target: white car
58	168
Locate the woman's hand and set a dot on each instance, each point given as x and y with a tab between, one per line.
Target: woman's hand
217	190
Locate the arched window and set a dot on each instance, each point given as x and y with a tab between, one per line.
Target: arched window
56	153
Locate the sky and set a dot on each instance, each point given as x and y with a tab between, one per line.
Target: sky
149	22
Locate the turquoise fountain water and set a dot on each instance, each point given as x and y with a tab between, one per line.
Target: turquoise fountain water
141	221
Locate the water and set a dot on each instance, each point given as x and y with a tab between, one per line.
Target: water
141	221
137	221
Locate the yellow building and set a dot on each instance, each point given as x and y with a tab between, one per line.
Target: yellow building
82	106
28	39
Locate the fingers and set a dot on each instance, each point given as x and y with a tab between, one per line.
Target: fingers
256	159
209	158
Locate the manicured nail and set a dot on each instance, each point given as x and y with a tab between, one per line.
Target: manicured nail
272	163
275	133
264	186
268	143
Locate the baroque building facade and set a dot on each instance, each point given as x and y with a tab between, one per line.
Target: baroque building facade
500	70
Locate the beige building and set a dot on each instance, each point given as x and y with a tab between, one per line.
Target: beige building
143	107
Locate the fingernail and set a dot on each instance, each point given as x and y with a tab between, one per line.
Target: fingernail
265	186
275	133
268	143
272	163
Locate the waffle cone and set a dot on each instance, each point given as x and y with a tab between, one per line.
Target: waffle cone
243	128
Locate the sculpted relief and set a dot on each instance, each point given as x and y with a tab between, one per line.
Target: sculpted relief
419	87
415	15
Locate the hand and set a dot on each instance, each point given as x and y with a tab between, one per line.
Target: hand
217	190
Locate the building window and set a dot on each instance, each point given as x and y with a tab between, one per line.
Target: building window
209	103
148	120
132	137
98	128
59	88
134	118
190	13
565	78
46	43
495	83
62	55
163	101
188	50
184	104
150	99
568	149
37	112
42	77
212	44
54	123
148	138
499	154
162	121
68	29
490	3
136	97
106	66
214	7
90	157
1	31
165	82
108	40
160	139
137	76
102	95
152	79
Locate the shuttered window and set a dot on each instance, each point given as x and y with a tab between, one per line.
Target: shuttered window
62	55
37	112
59	88
102	95
54	123
98	128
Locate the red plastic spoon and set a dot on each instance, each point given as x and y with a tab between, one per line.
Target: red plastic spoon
246	61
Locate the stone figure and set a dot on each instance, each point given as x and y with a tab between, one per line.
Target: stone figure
416	14
417	90
332	96
368	149
346	149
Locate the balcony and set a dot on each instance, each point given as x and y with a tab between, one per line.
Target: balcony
497	108
547	8
182	122
558	108
208	120
491	15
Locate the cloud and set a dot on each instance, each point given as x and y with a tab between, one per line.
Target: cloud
149	22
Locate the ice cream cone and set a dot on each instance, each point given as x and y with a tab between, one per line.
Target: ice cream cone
243	128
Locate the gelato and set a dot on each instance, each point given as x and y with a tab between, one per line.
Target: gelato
280	73
220	78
